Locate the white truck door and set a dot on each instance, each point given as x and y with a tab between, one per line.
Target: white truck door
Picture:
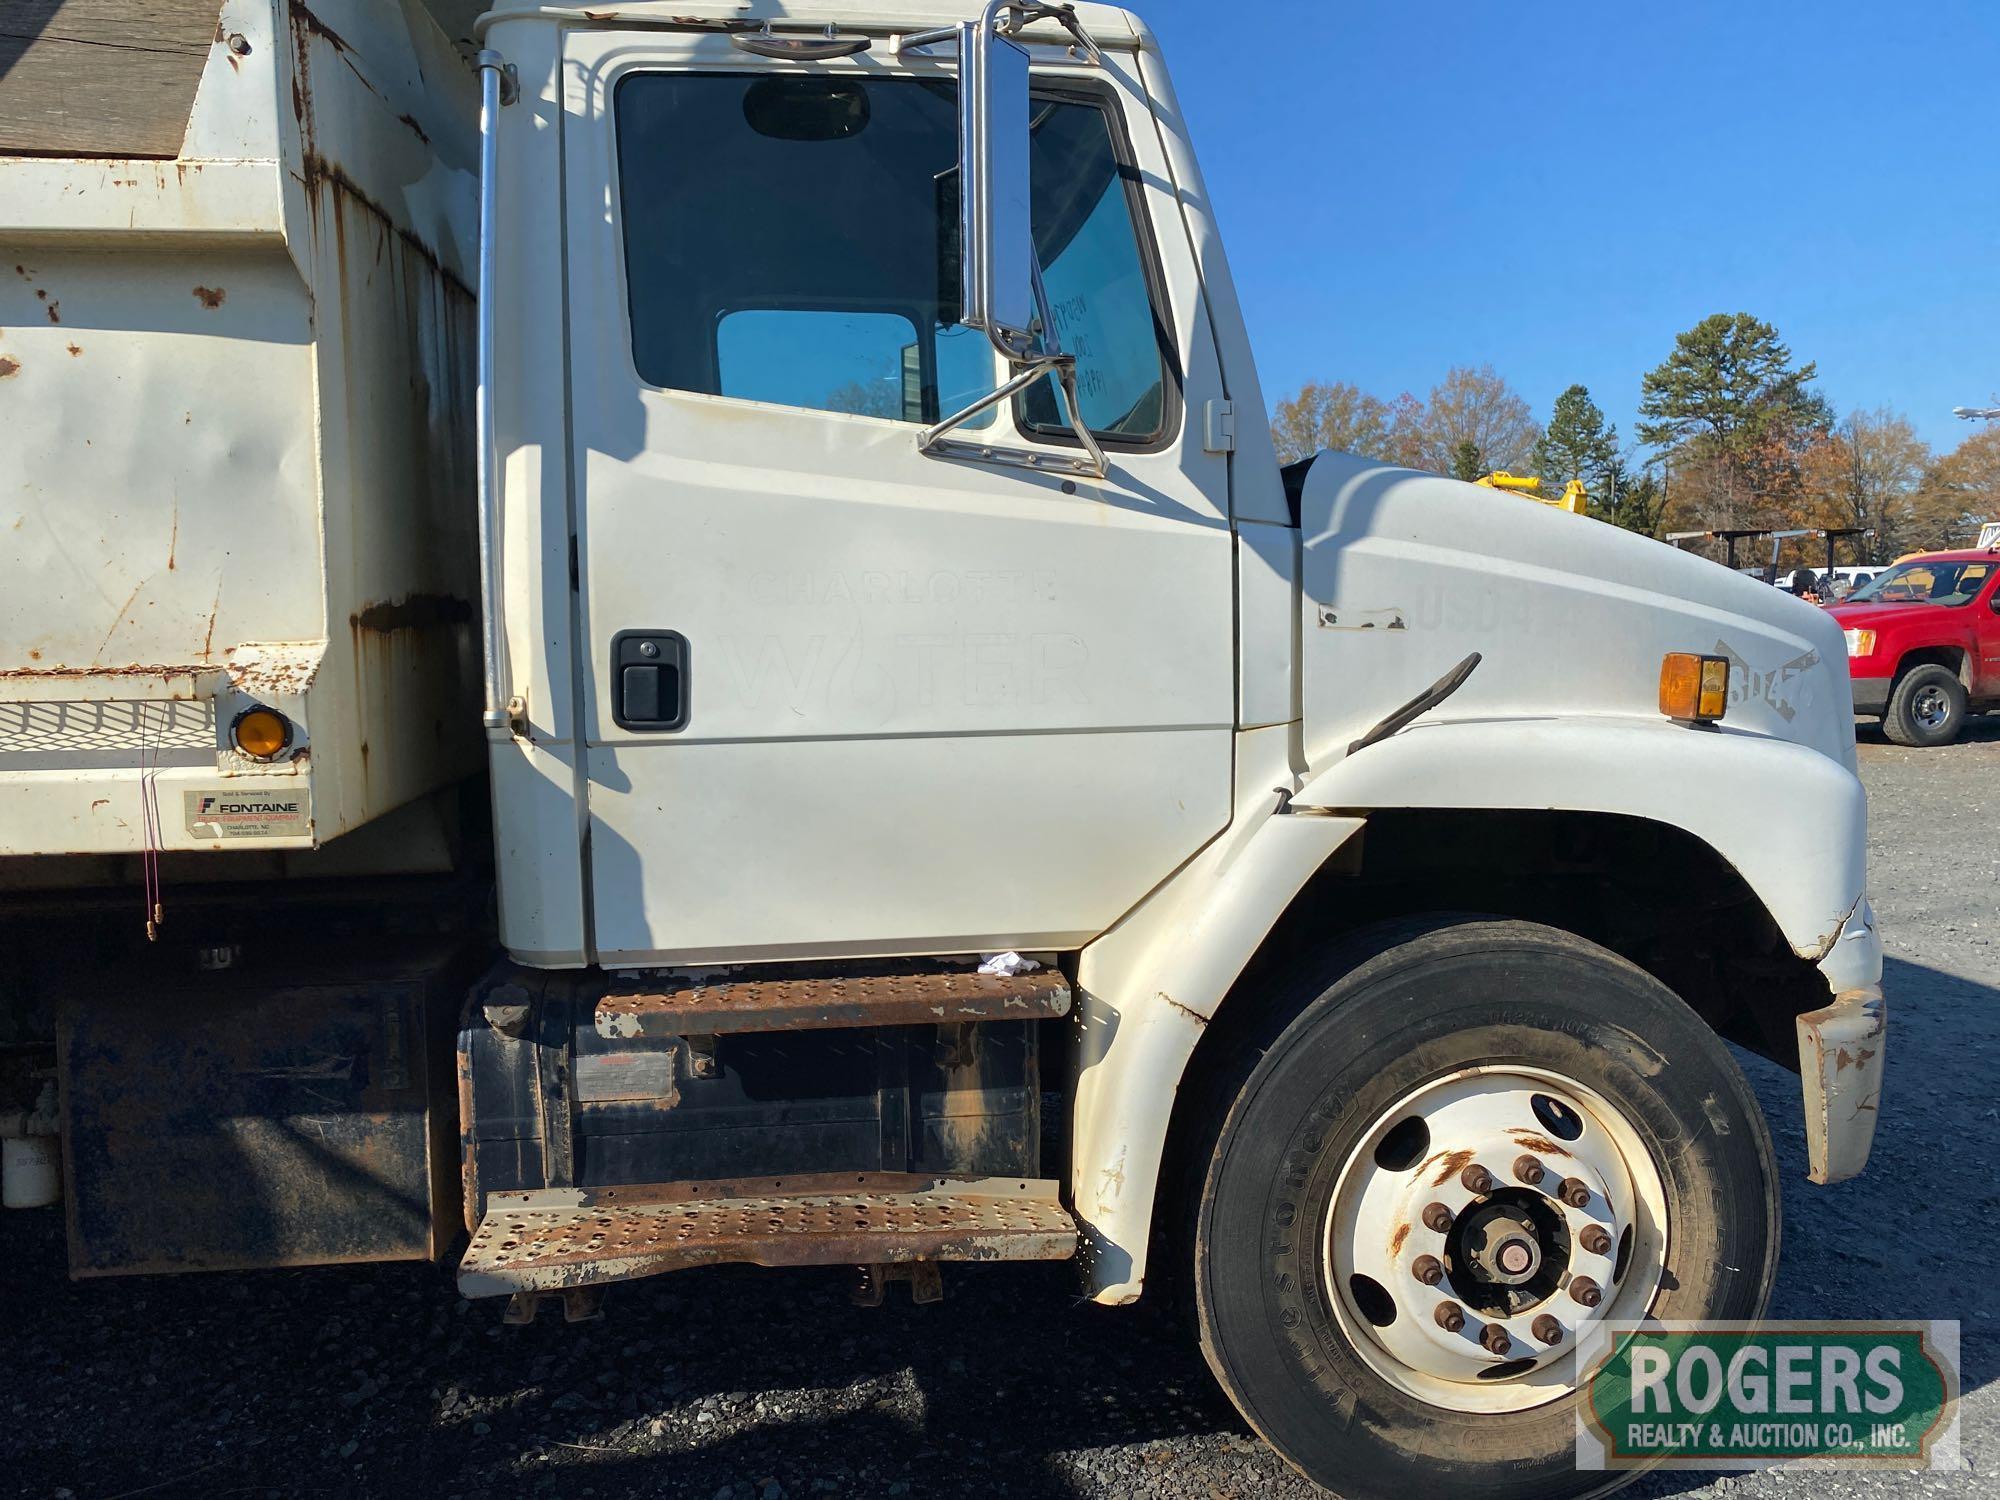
842	697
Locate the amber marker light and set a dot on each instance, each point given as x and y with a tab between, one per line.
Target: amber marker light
1694	689
263	733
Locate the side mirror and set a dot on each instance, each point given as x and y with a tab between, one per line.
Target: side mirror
996	233
1000	279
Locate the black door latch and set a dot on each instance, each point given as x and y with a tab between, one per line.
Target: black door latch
649	680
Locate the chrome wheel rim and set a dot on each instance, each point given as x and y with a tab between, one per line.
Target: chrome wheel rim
1931	707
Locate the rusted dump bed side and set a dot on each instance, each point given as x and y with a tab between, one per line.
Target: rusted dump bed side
236	375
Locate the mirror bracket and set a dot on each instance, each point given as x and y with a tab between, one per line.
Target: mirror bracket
1013	16
933	440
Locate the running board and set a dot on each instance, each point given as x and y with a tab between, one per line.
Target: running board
935	997
557	1238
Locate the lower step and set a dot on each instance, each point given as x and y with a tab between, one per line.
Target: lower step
554	1238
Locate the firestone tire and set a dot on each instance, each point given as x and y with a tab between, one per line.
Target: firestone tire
1376	1026
1926	708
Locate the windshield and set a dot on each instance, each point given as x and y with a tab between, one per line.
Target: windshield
1925	582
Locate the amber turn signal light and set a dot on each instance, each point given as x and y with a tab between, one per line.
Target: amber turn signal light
263	733
1694	689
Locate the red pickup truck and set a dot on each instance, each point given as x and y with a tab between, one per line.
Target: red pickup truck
1923	644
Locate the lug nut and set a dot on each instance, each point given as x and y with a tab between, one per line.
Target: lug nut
1476	1179
1595	1240
1493	1338
1574	1192
1547	1329
1437	1219
1585	1291
1450	1317
1428	1269
1528	1170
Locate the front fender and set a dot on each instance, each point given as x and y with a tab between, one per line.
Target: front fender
1790	820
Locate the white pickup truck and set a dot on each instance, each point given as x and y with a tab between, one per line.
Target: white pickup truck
570	601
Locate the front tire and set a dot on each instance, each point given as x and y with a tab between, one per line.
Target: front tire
1927	707
1318	1183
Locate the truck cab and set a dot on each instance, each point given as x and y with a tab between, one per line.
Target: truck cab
868	759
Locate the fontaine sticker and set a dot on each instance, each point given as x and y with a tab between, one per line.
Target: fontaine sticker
1747	1395
258	813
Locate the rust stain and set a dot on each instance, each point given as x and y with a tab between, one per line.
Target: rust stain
416	612
1539	1143
123	610
34	655
132	669
75	350
415	128
9	368
319	171
208	640
318	27
210	297
1194	1015
1454	1163
174	537
1396	1240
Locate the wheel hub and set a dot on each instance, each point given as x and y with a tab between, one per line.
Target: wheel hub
1487	1221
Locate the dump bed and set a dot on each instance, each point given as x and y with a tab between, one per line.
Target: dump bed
236	384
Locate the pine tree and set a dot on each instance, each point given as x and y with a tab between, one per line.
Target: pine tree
1578	445
1729	380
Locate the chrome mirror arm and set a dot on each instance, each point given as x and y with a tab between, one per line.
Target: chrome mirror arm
935	442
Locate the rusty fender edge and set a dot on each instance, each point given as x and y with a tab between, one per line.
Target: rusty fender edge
1840	1064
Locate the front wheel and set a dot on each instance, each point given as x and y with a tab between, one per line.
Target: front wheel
1463	1150
1927	708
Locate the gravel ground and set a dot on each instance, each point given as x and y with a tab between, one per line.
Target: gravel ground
744	1385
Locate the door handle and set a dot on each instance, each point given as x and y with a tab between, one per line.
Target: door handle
649	680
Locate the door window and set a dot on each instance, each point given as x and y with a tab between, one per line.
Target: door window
795	240
832	361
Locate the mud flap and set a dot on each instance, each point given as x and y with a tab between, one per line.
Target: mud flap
1840	1064
235	1121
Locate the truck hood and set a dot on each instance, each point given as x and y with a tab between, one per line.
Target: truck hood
1875	616
1403	574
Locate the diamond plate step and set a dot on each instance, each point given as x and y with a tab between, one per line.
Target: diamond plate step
823	1002
562	1237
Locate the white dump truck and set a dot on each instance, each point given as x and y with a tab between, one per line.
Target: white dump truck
665	634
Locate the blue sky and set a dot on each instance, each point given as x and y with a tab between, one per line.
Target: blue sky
1558	189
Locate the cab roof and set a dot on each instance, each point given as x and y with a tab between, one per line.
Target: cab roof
1107	25
1958	555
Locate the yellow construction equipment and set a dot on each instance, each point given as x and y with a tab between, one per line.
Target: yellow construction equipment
1572	499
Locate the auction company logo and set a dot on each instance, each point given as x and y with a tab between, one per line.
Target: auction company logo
1683	1395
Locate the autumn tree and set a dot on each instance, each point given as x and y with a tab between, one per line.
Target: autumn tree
1869	471
1960	490
1331	414
1476	406
1579	444
1473	420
